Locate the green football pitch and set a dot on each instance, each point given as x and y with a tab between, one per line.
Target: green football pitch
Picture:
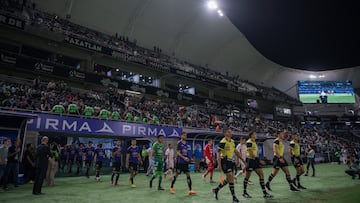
330	184
332	98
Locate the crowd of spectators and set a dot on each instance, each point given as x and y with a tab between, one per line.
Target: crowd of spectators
113	104
58	97
117	42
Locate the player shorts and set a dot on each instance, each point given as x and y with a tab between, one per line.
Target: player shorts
71	160
297	162
98	164
227	165
133	166
252	164
170	164
182	168
278	164
158	165
116	166
88	162
211	165
79	162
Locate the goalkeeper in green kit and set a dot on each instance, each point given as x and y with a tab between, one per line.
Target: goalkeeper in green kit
157	152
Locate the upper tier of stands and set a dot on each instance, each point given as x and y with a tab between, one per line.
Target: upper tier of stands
123	45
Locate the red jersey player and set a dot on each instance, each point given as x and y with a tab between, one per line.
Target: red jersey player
209	158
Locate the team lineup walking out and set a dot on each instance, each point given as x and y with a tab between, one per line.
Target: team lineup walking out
158	153
226	150
280	162
133	159
116	162
296	160
253	163
182	164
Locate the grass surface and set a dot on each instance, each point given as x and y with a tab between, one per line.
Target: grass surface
331	184
332	98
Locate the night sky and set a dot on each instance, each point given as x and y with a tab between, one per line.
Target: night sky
303	34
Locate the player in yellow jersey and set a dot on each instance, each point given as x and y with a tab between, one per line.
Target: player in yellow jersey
253	163
296	160
226	150
280	162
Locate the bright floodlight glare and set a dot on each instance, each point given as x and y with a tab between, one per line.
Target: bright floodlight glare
212	5
220	13
312	76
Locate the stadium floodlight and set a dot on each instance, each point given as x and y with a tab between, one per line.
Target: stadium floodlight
220	13
312	76
212	5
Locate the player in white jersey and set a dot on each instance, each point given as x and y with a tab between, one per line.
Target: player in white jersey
169	161
241	147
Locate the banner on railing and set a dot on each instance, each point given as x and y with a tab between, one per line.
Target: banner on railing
12	21
93	126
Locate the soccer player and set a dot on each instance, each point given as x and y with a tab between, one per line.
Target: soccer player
99	156
79	157
132	160
170	161
116	162
209	159
296	160
89	156
158	152
71	152
280	162
182	164
226	150
241	147
253	163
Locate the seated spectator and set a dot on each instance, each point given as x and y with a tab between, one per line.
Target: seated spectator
88	111
115	115
58	108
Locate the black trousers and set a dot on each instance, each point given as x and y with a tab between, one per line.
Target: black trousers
40	173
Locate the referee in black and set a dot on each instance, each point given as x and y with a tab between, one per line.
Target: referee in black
41	164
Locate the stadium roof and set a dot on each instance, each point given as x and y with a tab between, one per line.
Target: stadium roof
194	33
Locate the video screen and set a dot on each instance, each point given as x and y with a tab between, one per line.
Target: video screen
326	92
282	111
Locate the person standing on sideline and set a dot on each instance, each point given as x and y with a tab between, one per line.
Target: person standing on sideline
158	153
280	162
29	164
41	164
116	162
253	163
182	164
12	164
209	159
170	161
4	156
132	161
53	164
296	160
310	160
226	150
